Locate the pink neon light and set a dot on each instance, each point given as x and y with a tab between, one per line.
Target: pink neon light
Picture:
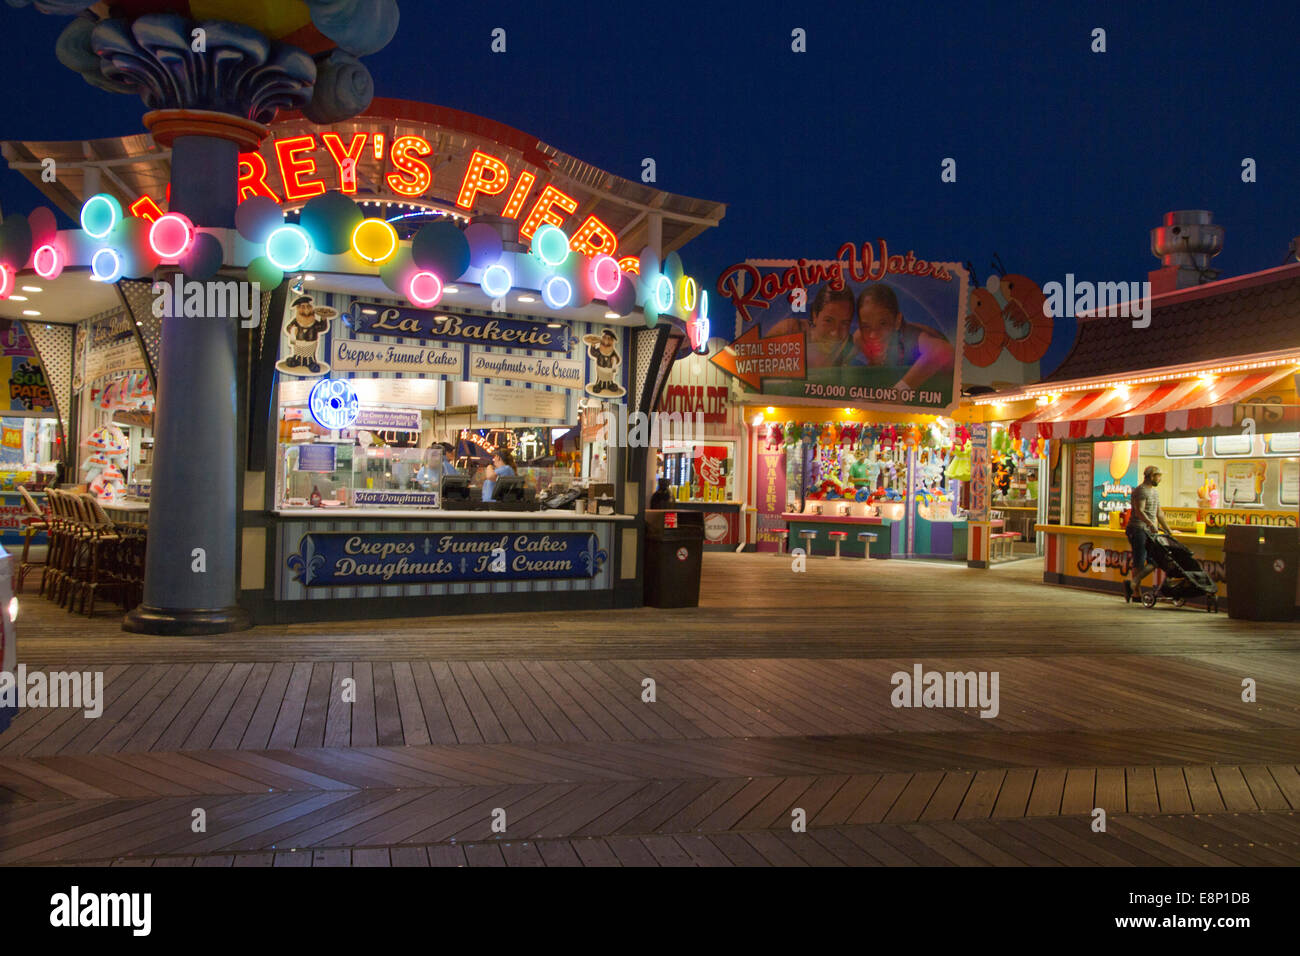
613	276
47	262
425	288
6	282
171	235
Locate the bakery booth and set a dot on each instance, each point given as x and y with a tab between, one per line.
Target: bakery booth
447	315
1207	392
850	372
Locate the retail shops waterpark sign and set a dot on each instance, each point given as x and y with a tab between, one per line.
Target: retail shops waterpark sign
351	559
870	326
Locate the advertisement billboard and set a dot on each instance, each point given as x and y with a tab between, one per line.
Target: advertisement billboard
866	328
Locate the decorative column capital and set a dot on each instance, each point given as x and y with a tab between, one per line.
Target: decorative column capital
166	125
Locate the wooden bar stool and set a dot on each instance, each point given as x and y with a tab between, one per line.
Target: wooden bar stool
63	541
784	535
35	521
100	568
808	535
867	538
837	537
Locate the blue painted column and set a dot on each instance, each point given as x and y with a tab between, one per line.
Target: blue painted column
191	583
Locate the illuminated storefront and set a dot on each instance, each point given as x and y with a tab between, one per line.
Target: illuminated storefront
433	289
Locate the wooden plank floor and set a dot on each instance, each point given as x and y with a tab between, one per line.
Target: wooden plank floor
763	707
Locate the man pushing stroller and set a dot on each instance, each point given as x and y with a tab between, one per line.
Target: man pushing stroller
1146	518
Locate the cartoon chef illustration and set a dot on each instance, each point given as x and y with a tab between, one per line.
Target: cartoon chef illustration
306	323
604	349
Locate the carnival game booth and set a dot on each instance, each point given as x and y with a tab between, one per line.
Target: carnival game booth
404	327
892	488
1220	423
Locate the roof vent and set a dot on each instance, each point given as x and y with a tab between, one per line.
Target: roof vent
1185	244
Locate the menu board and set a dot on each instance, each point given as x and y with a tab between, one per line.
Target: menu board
1243	483
1289	491
1182	447
509	401
1233	446
1285	443
1081	484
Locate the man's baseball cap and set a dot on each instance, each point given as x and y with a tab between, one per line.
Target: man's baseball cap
1150	470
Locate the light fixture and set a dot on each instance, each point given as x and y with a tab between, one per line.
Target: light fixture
557	292
99	214
18	298
370	311
605	274
106	265
527	298
425	289
449	290
611	315
171	235
13	609
555	325
551	245
309	278
496	280
288	247
33	288
47	261
30	312
374	240
663	293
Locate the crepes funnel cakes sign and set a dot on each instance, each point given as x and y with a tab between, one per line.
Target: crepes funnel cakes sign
348	559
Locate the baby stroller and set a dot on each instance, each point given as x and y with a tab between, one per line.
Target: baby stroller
1184	576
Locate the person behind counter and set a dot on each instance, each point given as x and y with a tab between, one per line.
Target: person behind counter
431	475
661	498
503	466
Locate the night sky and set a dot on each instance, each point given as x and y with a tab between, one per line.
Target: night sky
1065	158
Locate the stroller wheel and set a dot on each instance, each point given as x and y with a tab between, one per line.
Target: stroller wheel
1179	602
1149	597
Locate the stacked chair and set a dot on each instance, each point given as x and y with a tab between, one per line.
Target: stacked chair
90	556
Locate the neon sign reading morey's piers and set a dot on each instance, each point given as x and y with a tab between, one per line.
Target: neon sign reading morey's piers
412	176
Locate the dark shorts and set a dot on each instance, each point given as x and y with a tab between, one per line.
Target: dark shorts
1137	537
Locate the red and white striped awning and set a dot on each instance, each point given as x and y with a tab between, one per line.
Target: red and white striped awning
1177	406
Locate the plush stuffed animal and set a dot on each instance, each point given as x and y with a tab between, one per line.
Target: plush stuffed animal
809	432
791	434
830	434
775	436
849	434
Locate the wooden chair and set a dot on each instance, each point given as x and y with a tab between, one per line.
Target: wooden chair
35	521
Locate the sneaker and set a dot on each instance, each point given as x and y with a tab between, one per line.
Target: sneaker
1128	591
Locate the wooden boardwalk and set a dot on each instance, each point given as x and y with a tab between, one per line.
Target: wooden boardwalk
773	696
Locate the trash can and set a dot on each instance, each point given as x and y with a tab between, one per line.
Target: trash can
674	548
1260	567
